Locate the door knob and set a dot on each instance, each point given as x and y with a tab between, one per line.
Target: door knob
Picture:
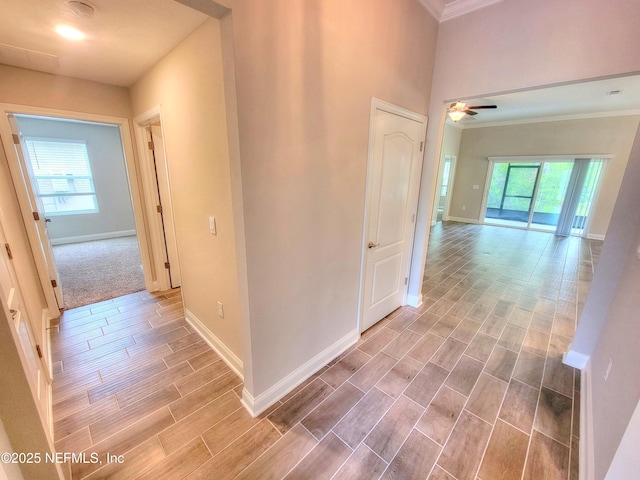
373	245
13	313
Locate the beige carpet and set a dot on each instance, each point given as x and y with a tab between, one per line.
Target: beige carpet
99	270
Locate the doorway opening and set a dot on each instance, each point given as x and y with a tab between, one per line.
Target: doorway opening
156	189
553	195
442	199
77	173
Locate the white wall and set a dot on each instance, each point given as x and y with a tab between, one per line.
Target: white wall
107	164
603	135
626	463
27	87
305	76
608	330
188	85
8	471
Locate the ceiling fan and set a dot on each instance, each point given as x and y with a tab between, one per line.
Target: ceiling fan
458	110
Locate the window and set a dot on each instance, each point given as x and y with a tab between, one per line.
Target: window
553	194
61	175
445	177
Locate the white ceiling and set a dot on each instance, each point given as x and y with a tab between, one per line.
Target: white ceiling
578	100
124	38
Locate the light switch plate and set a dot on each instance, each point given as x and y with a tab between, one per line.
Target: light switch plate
212	226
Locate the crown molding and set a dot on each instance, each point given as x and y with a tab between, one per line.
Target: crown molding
462	7
434	7
557	118
443	12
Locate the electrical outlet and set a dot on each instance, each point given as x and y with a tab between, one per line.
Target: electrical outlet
220	309
608	371
212	226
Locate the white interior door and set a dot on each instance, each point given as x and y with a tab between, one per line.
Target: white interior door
164	200
154	175
37	210
393	182
31	354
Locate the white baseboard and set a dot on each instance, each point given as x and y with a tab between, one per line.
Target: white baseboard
576	360
463	220
230	358
595	236
256	405
586	445
414	300
93	236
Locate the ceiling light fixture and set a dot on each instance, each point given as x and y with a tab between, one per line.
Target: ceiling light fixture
456	111
70	33
82	9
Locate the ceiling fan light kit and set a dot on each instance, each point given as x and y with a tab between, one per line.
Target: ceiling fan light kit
458	110
456	115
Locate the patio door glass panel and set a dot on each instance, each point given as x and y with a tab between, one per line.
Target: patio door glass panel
511	193
554	178
587	195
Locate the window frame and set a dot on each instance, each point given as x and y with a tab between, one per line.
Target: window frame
29	147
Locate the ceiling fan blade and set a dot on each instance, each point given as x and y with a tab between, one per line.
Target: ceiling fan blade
470	112
482	106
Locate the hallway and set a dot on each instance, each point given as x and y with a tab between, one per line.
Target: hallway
471	385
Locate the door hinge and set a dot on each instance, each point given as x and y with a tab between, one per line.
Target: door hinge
39	350
36	216
16	138
150	144
421	146
159	208
54	283
413	218
167	265
406	280
8	249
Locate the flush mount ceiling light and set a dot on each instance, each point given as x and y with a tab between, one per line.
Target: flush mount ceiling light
82	9
70	33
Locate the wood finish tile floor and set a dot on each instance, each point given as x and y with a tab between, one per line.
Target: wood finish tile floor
469	386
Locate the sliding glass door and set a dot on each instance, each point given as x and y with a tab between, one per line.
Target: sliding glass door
550	195
511	193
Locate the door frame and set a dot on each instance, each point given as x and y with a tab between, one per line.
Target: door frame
41	384
24	201
378	104
453	159
163	237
